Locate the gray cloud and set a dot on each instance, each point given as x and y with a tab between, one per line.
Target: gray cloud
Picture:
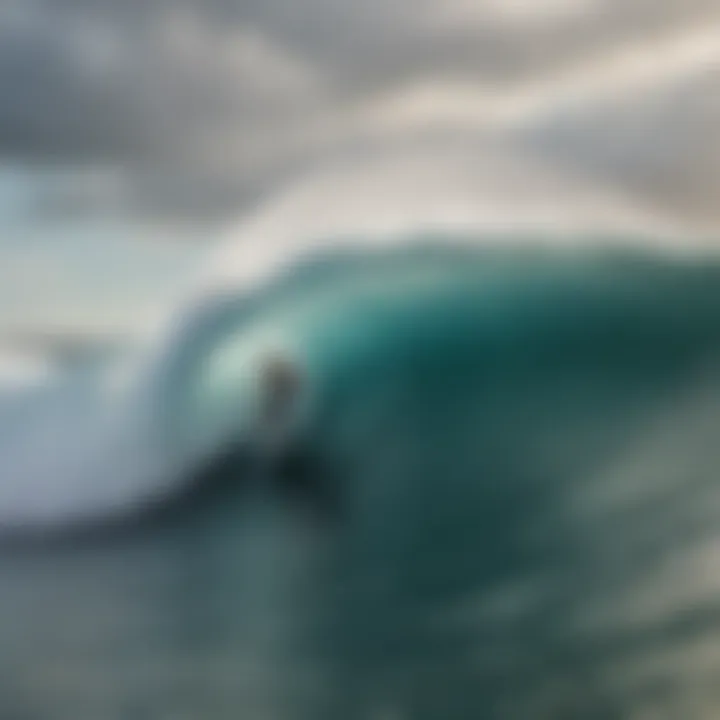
208	103
665	148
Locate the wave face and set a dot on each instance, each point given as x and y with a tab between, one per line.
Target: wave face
433	345
526	443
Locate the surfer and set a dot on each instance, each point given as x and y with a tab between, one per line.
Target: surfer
280	388
285	455
277	452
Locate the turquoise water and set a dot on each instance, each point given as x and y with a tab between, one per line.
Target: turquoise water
526	448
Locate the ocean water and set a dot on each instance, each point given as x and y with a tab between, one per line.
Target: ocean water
524	444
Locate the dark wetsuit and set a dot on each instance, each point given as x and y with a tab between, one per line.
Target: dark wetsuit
287	458
295	472
303	476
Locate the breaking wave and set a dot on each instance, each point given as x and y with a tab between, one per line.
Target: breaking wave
436	353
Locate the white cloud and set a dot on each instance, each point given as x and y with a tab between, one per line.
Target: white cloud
627	76
521	13
627	72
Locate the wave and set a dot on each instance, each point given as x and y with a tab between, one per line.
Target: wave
418	343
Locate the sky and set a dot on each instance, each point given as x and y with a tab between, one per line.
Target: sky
149	124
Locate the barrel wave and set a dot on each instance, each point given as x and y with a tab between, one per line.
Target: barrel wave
436	353
431	346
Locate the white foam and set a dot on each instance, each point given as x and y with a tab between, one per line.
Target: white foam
22	370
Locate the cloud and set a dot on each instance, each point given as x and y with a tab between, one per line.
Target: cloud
457	14
86	83
661	145
208	104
